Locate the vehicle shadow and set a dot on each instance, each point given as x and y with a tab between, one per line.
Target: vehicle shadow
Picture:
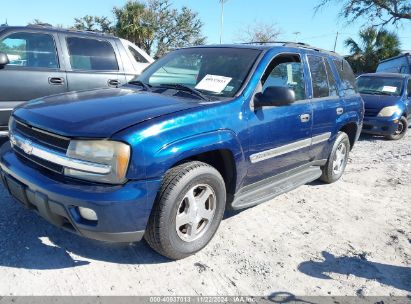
396	276
28	241
370	137
286	297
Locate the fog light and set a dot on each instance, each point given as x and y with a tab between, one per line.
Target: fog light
87	214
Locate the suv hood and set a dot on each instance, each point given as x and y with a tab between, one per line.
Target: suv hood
98	113
379	101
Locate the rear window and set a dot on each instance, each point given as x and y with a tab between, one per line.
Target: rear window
347	76
319	77
91	54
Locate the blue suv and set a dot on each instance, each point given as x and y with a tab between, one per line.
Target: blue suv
201	130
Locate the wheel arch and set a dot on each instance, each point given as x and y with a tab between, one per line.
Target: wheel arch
220	149
351	130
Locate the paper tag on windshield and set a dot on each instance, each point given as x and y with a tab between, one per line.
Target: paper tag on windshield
389	89
213	83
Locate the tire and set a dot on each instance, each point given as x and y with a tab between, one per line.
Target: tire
329	172
166	232
402	129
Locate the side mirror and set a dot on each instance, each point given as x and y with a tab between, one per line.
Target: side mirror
3	59
274	96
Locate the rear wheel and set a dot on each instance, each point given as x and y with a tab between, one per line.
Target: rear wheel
401	129
337	161
188	210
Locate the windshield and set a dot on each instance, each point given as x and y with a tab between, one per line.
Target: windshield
380	85
217	72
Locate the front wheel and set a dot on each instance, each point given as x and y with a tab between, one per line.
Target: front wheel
337	161
188	210
402	128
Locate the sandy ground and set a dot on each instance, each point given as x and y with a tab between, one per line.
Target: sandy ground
349	238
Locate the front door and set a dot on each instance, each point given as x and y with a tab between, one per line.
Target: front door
280	136
34	70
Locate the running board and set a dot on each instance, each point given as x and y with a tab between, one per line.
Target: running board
272	187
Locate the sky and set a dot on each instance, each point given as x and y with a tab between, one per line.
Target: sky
289	16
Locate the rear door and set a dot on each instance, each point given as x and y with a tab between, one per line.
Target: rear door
326	102
35	69
92	62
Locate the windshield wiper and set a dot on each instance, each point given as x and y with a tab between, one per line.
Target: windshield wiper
186	88
146	87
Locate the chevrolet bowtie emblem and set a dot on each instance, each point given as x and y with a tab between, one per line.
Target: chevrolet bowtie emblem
26	146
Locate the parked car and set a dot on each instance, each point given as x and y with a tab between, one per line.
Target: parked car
399	64
43	60
164	157
387	98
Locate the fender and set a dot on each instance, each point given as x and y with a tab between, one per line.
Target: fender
174	152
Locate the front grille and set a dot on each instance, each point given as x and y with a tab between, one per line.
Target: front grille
39	161
44	138
48	140
371	112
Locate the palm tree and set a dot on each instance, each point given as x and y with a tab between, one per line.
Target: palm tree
374	46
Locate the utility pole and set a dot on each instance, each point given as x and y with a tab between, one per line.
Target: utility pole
296	36
222	20
335	43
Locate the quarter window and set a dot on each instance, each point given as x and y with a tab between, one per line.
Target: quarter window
409	88
319	77
136	55
286	71
91	54
32	50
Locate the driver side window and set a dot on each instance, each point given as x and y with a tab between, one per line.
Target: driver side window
409	88
286	71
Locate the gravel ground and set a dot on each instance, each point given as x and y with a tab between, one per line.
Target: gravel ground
349	238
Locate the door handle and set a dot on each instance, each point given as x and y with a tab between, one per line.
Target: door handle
305	117
56	80
113	83
340	111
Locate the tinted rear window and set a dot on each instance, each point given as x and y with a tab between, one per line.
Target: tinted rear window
91	54
319	77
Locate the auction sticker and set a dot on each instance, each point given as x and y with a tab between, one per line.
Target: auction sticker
389	89
213	83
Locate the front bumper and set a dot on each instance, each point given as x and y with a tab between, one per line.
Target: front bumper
379	125
122	210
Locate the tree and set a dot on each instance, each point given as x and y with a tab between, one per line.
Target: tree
373	47
385	11
156	27
131	22
93	23
259	32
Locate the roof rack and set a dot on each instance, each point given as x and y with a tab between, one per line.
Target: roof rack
40	25
290	44
49	26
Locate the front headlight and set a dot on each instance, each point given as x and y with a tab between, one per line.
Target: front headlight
389	111
111	153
